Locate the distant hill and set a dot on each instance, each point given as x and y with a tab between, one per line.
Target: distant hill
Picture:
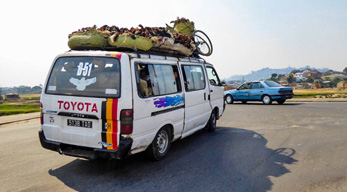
265	73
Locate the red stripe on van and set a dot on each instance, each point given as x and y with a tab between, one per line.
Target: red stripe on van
114	109
114	135
115	124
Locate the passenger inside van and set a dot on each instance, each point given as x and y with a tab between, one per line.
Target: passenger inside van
145	89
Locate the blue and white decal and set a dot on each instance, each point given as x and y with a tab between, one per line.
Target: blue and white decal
168	101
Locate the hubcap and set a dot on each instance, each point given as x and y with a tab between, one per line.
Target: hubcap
266	99
162	141
229	99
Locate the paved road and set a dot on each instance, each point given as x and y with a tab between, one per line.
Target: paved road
293	147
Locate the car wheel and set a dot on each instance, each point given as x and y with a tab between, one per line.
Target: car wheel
160	145
267	100
229	99
212	123
281	101
244	102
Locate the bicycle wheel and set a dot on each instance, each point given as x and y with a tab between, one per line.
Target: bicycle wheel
203	43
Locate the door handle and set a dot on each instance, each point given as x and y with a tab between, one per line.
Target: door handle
211	90
261	91
205	96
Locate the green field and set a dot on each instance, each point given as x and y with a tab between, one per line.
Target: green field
27	104
12	109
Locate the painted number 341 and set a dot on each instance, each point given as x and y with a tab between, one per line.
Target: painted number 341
84	69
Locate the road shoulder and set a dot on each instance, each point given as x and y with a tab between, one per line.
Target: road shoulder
16	118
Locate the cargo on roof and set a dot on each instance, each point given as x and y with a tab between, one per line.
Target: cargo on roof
178	39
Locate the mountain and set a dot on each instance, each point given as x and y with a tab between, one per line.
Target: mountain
266	73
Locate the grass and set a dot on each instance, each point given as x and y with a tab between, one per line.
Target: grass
27	104
12	109
311	93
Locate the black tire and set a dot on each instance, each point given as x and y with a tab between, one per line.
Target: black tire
244	102
280	102
212	122
229	99
160	145
267	100
202	42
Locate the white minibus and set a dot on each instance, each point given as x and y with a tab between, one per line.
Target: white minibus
111	104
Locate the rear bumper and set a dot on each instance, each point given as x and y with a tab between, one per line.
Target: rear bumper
85	152
279	97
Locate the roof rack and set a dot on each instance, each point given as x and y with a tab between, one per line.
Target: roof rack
157	52
121	49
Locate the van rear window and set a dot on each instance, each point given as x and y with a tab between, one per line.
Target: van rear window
85	76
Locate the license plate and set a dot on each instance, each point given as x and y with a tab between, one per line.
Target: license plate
79	123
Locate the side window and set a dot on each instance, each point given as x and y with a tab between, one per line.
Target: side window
212	76
245	86
261	86
194	78
154	80
256	86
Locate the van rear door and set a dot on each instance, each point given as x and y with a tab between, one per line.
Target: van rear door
81	102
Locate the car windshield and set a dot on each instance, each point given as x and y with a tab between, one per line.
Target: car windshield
85	76
272	84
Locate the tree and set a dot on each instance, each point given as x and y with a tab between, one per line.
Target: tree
36	90
291	78
273	76
335	81
309	80
345	71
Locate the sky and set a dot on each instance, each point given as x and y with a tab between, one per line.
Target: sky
247	35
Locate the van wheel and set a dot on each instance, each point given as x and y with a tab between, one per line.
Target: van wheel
229	99
160	145
212	123
267	100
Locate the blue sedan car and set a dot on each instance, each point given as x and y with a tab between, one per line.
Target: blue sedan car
265	91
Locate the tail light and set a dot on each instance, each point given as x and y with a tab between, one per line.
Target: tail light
41	114
126	121
280	91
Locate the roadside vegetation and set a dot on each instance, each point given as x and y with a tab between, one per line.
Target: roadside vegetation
27	104
32	97
12	109
320	93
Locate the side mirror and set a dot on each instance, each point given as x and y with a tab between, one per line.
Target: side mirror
223	83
